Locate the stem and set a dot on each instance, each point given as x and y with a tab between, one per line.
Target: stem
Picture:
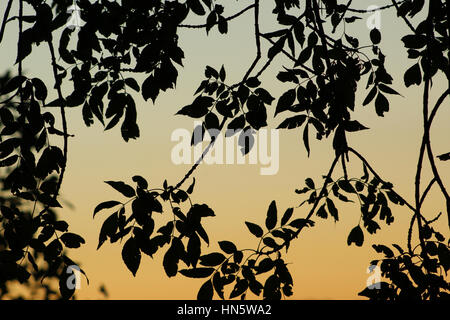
199	160
63	116
258	42
199	26
5	18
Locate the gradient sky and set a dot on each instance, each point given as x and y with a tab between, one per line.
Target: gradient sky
322	265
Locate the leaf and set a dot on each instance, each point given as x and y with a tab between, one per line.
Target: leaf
332	209
383	249
293	122
206	291
353	126
375	36
105	205
141	182
322	212
132	83
71	240
40	90
196	7
370	96
197	272
356	236
285	101
122	187
412	76
254	229
240	287
227	247
271	218
387	89
306	138
131	255
300	223
286	216
253	82
9	161
198	108
270	242
444	156
381	104
212	259
13	84
310	183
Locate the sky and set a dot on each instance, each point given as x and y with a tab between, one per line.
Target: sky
322	265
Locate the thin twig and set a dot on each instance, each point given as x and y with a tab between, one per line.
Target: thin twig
5	18
199	26
199	160
63	117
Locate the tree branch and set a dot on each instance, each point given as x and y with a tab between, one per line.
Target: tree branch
5	18
258	42
200	26
63	116
199	160
395	4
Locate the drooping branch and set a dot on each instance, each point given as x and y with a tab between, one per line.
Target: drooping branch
356	153
316	203
5	18
200	26
63	116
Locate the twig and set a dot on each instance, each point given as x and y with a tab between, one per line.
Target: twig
199	160
395	4
258	42
5	18
63	117
199	26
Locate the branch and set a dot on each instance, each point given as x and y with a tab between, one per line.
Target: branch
372	10
395	4
200	26
258	42
5	18
316	203
63	116
199	160
356	153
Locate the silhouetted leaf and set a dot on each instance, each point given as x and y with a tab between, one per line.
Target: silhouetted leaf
206	291
131	255
212	259
271	218
444	157
286	216
105	205
71	240
300	223
383	249
356	236
332	209
240	287
375	36
256	230
412	76
122	187
227	247
197	272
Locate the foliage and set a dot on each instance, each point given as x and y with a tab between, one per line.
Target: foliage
119	40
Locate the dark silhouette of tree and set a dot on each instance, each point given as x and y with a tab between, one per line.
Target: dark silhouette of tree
121	39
